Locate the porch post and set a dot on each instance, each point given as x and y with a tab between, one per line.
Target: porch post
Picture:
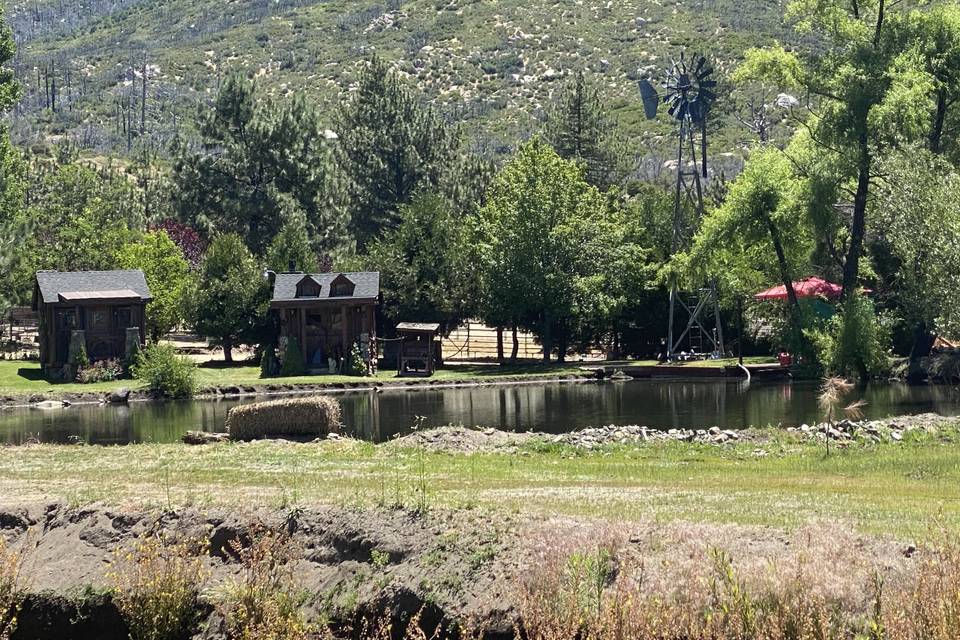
343	331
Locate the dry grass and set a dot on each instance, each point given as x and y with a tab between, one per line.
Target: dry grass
312	417
156	586
600	585
12	587
264	603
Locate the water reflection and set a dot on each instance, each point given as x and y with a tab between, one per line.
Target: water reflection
554	407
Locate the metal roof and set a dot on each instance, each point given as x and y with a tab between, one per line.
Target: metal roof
430	327
76	283
113	294
366	286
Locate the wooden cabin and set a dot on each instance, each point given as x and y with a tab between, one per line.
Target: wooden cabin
104	309
328	313
417	354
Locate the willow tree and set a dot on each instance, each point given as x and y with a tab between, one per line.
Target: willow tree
762	232
867	89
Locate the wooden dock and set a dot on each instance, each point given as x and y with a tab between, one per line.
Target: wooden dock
687	371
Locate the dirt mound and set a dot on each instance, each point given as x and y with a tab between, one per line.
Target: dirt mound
354	564
448	567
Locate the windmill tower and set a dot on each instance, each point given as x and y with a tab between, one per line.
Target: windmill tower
689	92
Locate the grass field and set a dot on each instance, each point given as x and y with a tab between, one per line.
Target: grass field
24	378
898	489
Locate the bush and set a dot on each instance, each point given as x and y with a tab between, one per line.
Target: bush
264	603
358	364
156	588
100	371
11	588
78	354
165	372
293	364
268	362
315	416
854	342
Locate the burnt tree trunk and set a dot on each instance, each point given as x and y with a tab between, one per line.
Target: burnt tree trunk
516	344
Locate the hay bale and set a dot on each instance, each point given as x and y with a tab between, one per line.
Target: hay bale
304	417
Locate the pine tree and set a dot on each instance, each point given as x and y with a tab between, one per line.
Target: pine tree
252	155
390	146
579	129
291	246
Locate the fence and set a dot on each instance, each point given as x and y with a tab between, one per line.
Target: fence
476	341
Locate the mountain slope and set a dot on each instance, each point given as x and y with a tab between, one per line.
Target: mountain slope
492	64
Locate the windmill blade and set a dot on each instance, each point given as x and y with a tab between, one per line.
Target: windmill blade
707	95
702	61
651	99
706	74
708	84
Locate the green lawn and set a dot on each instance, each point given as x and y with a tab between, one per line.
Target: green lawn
899	489
19	378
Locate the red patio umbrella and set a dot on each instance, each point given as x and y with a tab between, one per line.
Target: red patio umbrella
806	288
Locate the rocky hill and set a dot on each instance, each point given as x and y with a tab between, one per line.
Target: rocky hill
491	64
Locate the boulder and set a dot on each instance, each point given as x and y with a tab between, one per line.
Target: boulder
120	396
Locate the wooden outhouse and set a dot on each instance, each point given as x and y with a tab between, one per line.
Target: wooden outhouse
416	355
328	313
106	310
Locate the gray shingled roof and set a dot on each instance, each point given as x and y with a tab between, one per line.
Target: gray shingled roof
366	285
53	283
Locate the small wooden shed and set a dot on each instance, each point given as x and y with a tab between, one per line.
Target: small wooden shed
103	310
416	355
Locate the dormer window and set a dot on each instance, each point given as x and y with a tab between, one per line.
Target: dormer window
341	287
308	288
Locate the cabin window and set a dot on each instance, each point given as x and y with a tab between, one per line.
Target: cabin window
342	288
66	319
98	319
308	290
122	317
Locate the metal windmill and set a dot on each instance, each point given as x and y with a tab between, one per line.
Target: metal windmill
689	92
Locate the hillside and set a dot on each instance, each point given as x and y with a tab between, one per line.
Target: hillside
489	63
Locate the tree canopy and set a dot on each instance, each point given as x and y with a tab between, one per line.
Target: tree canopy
253	154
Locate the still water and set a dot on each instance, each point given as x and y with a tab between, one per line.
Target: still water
552	407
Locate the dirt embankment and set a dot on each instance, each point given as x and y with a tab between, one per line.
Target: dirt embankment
451	567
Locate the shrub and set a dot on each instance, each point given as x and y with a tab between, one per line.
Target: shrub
264	603
855	341
165	372
156	586
11	588
314	416
293	364
100	371
78	353
358	364
268	362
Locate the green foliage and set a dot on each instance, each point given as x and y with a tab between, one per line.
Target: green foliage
78	354
168	275
579	128
165	372
427	267
232	296
269	366
391	145
78	219
293	363
100	371
357	364
553	251
855	341
291	245
255	155
918	216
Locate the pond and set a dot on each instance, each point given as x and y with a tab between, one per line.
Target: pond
552	407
